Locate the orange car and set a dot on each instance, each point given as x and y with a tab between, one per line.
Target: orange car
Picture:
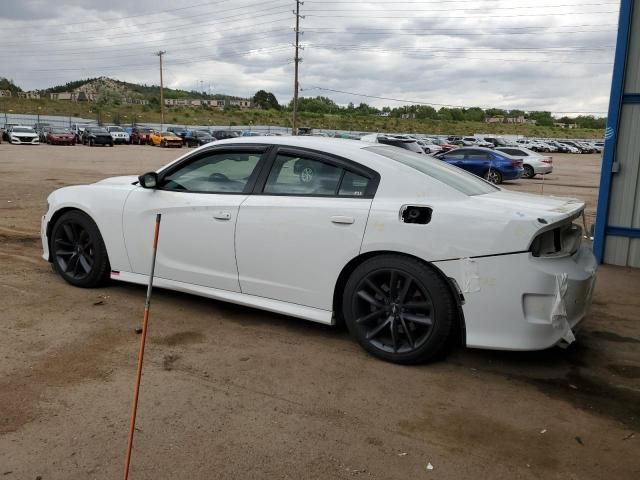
165	139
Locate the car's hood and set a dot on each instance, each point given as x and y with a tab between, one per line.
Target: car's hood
124	180
527	205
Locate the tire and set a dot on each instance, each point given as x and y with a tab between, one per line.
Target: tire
528	172
385	325
493	176
77	250
163	144
111	144
91	142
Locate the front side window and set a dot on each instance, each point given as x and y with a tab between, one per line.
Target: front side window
219	172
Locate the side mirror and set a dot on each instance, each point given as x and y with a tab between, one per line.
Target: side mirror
149	180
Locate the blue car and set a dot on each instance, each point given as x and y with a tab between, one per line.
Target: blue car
491	165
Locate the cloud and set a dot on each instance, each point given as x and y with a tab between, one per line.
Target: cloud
508	54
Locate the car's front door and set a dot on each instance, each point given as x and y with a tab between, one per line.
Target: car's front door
305	221
199	200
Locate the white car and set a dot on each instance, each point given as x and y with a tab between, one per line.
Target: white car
21	135
532	162
118	134
411	253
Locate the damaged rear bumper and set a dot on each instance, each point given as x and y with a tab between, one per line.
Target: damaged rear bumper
520	302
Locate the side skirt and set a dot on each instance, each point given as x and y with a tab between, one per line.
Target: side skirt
268	304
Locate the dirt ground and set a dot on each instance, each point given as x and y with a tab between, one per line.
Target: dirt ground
231	392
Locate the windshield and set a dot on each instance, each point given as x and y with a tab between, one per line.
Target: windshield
59	130
454	177
116	129
97	130
22	130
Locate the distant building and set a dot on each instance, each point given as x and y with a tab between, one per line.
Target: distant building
519	119
566	125
63	96
31	94
241	103
5	93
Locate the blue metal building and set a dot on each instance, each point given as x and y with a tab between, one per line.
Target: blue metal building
617	229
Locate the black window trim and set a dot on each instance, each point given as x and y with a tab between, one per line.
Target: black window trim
264	149
311	154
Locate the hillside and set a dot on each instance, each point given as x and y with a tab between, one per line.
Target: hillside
110	86
128	114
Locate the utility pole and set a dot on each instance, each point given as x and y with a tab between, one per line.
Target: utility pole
160	54
297	61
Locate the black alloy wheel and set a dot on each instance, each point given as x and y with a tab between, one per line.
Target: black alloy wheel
78	251
399	309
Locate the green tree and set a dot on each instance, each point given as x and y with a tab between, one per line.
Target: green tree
266	100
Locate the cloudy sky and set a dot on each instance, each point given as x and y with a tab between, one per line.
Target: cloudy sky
526	54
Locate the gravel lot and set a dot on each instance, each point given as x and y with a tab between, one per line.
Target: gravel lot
230	392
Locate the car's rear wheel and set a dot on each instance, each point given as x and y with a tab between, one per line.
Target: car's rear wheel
77	250
493	176
399	309
528	172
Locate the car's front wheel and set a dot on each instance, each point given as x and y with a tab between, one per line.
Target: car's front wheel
399	309
493	176
77	250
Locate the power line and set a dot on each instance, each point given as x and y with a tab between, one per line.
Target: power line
127	17
511	60
420	102
466	9
137	45
488	16
122	52
231	19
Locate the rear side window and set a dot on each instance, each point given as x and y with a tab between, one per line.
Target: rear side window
293	175
454	177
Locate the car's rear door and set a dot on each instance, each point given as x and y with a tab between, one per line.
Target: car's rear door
199	200
302	225
477	162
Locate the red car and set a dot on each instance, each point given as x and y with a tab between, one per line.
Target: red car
60	136
140	135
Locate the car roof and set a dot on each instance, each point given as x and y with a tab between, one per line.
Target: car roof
336	146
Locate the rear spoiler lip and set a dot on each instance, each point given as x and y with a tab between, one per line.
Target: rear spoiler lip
570	217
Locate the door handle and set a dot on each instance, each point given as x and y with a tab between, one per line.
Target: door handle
222	216
342	219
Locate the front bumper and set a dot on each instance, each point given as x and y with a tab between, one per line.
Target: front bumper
520	302
25	141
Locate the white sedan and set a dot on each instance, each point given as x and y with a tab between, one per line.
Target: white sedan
411	253
532	162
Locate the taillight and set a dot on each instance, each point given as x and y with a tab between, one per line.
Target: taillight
548	160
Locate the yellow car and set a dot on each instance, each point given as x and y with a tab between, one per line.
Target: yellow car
164	139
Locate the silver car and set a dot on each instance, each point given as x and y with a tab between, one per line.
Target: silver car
532	162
